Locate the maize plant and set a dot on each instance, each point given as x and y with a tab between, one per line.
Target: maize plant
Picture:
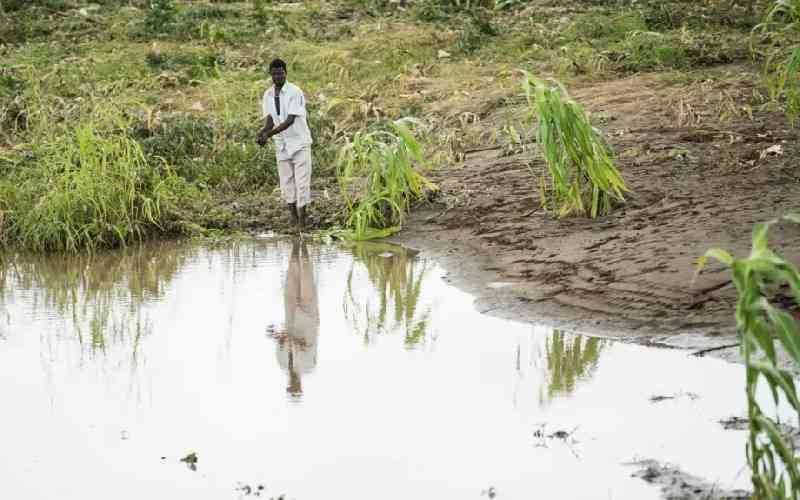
379	180
772	459
583	176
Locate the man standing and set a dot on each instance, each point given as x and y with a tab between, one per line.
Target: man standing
284	110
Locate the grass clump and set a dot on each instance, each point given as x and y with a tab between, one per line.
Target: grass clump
601	27
781	26
12	112
197	64
160	18
379	180
180	142
84	191
477	32
663	15
209	155
583	177
773	461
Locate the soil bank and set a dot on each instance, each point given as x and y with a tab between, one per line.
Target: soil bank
695	183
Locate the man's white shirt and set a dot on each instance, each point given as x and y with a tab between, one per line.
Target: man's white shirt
292	102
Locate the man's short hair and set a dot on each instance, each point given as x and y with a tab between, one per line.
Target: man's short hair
277	64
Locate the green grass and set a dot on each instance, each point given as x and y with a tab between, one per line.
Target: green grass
781	26
87	191
583	177
762	323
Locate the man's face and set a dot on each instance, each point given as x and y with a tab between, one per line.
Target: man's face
278	76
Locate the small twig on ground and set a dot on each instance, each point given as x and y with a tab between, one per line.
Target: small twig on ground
703	352
478	150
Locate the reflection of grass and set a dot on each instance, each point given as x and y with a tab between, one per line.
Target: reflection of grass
137	275
569	359
397	280
101	296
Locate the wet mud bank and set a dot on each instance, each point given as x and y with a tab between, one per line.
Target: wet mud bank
478	270
630	275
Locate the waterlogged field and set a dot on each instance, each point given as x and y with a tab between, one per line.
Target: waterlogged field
273	367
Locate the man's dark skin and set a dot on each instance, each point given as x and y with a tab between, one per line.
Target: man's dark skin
278	79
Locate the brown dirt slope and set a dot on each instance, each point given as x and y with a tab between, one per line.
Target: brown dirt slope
696	182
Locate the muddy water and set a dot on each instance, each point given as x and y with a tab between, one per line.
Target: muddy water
325	372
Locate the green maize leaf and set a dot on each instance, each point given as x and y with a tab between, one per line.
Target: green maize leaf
777	378
762	336
779	443
713	253
788	330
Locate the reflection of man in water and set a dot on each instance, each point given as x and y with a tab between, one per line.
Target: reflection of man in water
297	343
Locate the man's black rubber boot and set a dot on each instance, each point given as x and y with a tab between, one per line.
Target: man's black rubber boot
293	213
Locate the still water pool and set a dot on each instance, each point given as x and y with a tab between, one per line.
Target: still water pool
326	372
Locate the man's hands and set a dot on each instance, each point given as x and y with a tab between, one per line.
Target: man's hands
263	135
269	129
266	132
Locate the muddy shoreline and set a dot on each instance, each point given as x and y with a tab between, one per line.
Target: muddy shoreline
470	268
630	275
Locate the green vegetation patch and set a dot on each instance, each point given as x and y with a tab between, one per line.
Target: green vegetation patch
180	82
196	65
603	28
83	191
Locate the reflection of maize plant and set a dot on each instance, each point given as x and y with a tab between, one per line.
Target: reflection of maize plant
773	460
782	67
570	359
397	279
583	177
379	180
